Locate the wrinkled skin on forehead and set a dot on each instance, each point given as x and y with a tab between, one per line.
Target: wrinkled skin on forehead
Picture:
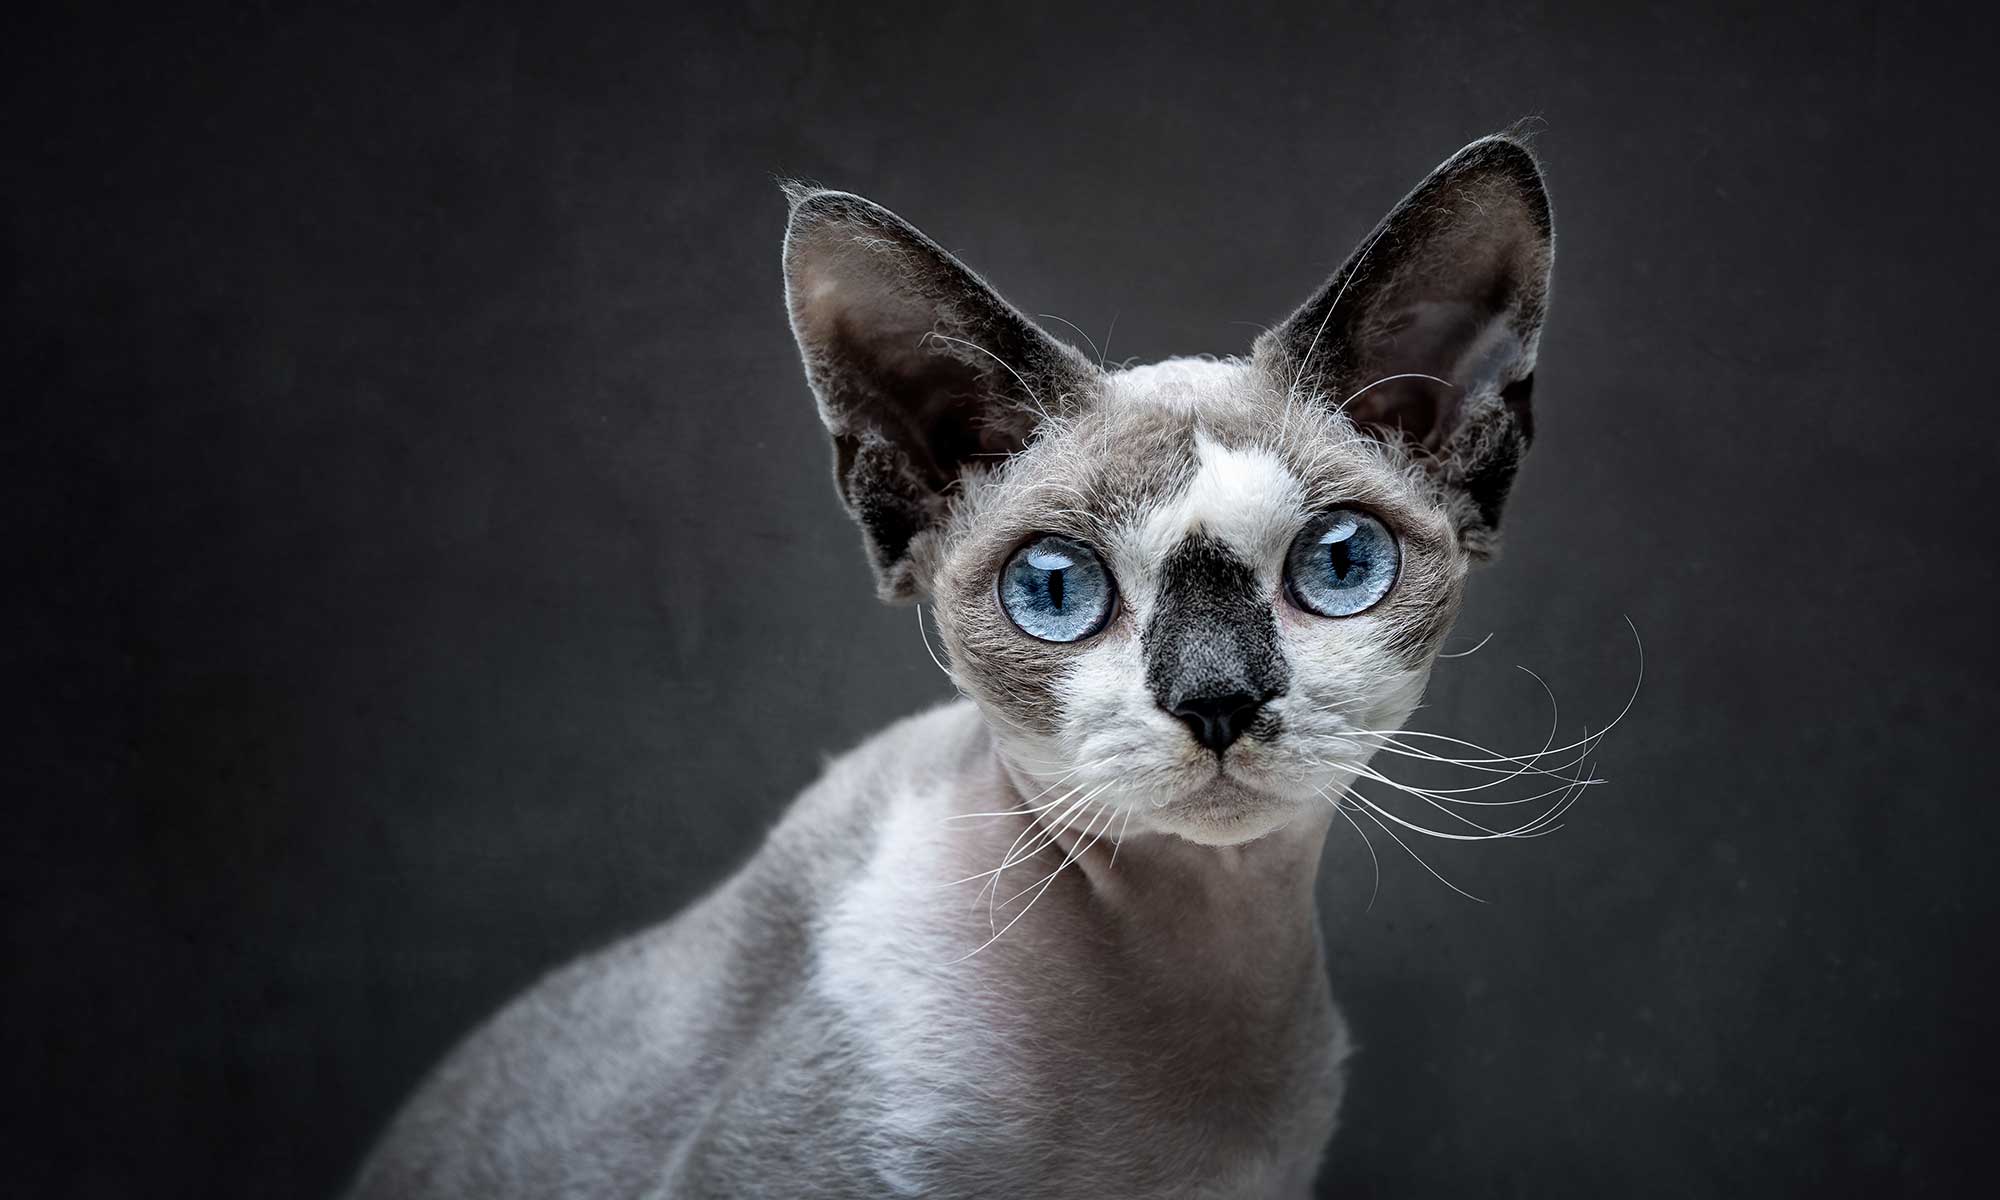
1165	458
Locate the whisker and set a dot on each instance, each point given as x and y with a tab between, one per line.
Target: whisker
1574	774
1003	812
1377	889
925	635
1392	379
1428	799
1080	333
1008	812
1037	832
1025	910
1471	764
1119	841
1009	857
1360	260
1059	486
1032	828
1543	824
1555	724
1445	792
1040	840
1412	853
945	337
1423	829
1471	652
1105	811
1581	745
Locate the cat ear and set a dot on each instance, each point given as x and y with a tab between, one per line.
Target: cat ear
920	368
1428	333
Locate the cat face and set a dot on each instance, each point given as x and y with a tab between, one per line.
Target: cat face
1195	592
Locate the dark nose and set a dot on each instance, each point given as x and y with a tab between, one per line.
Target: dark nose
1216	721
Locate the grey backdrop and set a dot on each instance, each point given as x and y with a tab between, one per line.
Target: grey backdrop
423	565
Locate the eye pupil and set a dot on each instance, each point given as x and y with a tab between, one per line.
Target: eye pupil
1342	563
1056	589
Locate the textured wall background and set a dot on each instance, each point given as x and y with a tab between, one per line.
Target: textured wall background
422	563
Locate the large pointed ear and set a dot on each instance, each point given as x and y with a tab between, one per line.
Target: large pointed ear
1428	334
921	369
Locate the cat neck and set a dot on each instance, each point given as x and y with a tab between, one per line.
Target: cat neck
1245	907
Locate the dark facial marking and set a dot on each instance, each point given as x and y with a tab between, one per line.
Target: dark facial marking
1212	657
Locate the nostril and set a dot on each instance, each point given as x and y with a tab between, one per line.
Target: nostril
1197	723
1216	721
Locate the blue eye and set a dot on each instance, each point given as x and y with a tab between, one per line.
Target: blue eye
1341	563
1056	589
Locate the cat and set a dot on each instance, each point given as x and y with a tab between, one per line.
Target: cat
1056	938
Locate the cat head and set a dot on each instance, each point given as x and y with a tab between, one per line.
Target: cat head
1200	589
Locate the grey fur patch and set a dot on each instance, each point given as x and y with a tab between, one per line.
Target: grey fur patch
1080	477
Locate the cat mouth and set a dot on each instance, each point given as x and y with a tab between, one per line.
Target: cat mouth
1236	772
1244	770
1228	808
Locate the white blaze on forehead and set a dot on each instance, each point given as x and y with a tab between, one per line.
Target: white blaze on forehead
1246	498
1184	383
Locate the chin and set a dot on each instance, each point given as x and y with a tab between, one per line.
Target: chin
1226	811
